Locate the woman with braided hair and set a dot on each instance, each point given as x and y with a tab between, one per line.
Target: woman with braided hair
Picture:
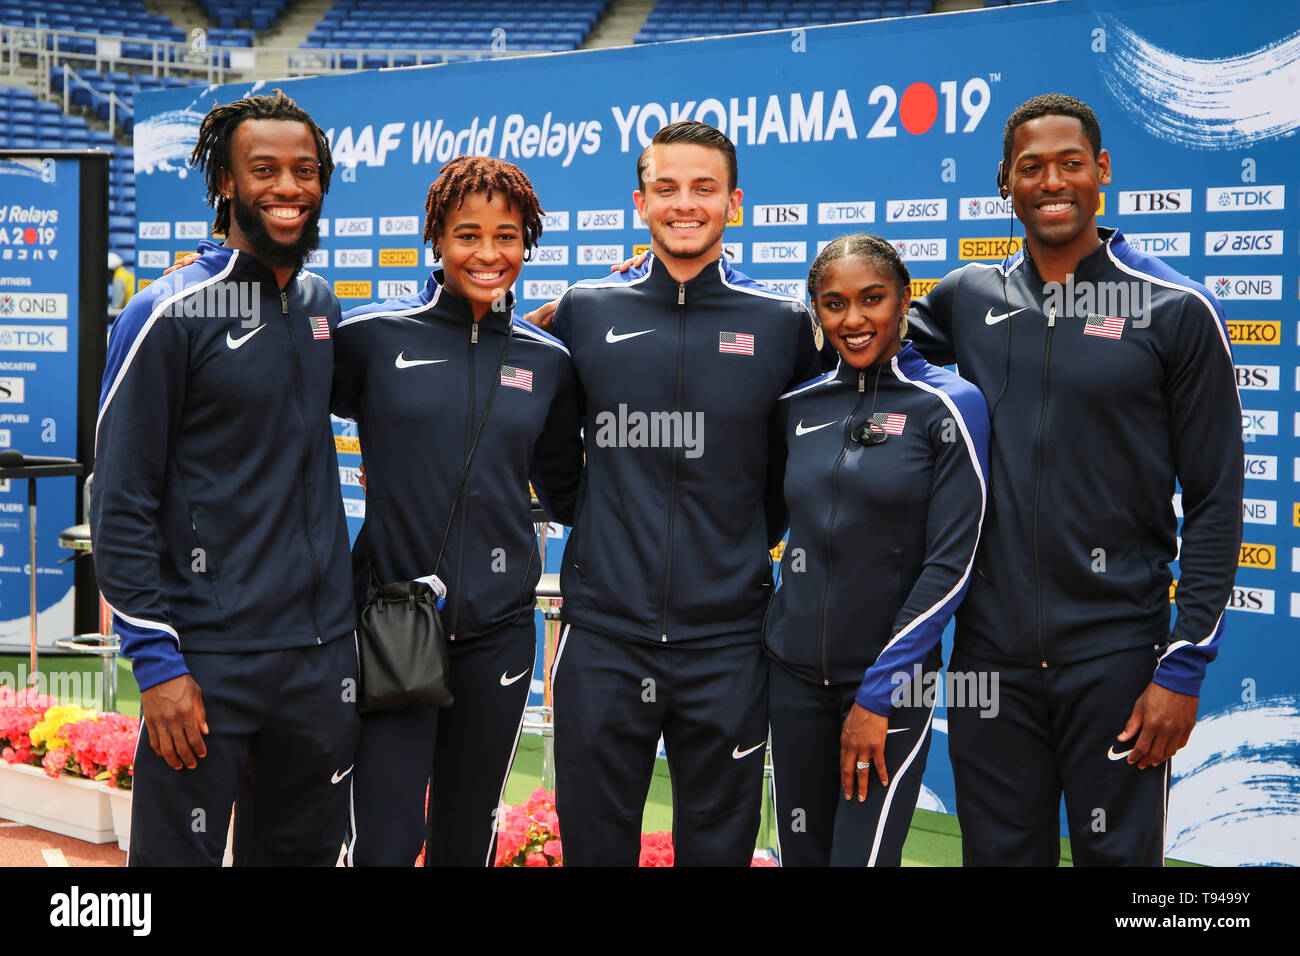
418	375
884	484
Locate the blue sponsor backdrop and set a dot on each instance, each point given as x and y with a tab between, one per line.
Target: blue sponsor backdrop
39	274
893	127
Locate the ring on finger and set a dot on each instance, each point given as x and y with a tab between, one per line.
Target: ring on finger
864	764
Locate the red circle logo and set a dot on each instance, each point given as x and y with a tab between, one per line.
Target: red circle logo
29	236
919	108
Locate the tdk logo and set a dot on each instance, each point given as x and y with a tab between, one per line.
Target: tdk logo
1245	287
1254	600
1165	244
846	212
788	214
916	210
1260	377
600	219
550	256
921	250
1244	199
1261	467
795	288
1155	201
985	207
1258	422
32	338
780	251
556	222
1264	243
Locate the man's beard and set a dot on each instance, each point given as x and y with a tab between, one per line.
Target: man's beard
266	249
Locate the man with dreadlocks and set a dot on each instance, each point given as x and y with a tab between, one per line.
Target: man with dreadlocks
220	540
419	374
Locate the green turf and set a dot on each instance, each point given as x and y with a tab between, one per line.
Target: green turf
933	840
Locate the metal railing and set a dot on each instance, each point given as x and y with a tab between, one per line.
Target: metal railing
198	61
114	102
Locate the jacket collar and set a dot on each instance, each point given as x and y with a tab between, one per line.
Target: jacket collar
1097	261
655	275
446	305
908	361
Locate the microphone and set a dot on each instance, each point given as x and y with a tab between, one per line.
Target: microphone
13	458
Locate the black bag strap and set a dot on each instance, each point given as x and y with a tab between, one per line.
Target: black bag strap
464	473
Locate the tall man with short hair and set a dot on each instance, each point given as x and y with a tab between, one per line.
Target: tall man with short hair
220	540
666	576
1108	375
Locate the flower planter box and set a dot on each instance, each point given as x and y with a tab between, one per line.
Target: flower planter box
120	801
66	805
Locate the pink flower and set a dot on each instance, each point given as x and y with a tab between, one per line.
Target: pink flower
536	859
553	849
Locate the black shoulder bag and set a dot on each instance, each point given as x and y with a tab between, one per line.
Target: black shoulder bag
401	644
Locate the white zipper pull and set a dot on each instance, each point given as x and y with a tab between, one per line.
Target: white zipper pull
473	334
681	293
284	303
862	380
1051	317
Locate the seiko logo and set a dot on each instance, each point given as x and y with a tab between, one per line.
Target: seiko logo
789	214
1244	198
1155	201
846	212
1257	556
1165	244
1264	243
1254	333
1262	377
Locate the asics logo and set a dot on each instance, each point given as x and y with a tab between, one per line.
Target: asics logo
234	343
800	430
340	775
507	681
737	753
611	337
991	319
403	362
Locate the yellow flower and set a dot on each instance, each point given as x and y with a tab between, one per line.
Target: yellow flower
47	731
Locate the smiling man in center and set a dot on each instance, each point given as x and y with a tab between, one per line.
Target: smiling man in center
666	576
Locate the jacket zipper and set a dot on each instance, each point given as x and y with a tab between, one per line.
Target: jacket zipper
672	481
469	436
1038	480
306	518
835	504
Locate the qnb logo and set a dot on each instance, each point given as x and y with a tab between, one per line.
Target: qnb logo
921	250
1245	287
600	255
985	207
637	429
74	908
919	108
1244	199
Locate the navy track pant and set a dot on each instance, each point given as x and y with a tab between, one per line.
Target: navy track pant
1055	733
291	715
613	699
815	824
462	755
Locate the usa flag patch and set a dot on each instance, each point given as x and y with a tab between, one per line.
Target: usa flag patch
517	377
1105	325
892	422
736	343
320	327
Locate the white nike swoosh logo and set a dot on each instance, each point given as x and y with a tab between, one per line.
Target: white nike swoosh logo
737	753
235	343
507	681
403	362
991	319
800	430
897	730
1114	756
339	776
611	338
